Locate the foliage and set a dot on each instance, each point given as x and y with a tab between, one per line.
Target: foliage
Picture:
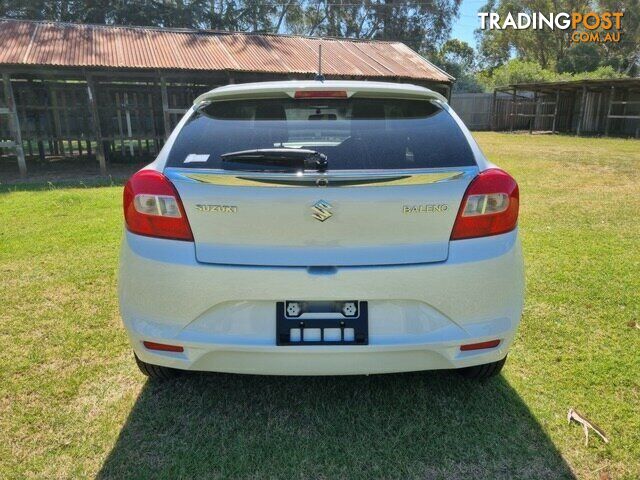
599	73
421	25
519	71
515	71
553	49
584	57
458	59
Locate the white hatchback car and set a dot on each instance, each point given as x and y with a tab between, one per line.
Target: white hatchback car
321	228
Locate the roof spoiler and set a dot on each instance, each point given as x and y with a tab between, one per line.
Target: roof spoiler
269	90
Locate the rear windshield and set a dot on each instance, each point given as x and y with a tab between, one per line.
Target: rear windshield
359	133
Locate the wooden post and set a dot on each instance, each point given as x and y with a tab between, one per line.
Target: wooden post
93	102
572	108
583	102
53	96
67	130
14	124
127	116
78	140
153	123
165	108
448	93
598	112
139	127
493	109
555	111
39	142
607	122
119	118
514	108
532	120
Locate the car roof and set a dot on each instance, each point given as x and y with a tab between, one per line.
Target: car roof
266	89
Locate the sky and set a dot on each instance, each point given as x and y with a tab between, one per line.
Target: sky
465	25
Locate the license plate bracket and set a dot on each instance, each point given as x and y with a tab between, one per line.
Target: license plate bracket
353	330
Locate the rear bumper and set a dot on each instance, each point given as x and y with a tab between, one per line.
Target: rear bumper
224	316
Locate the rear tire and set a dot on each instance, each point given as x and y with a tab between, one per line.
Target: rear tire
483	372
156	372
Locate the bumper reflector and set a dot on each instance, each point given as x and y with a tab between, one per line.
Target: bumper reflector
162	347
480	346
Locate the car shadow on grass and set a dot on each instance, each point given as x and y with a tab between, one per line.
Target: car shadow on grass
417	425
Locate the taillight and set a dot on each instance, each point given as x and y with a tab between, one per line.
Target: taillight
152	207
489	207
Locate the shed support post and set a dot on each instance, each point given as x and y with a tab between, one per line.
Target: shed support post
555	111
39	141
607	122
165	108
532	120
493	109
14	124
448	93
59	145
93	101
583	102
514	108
598	121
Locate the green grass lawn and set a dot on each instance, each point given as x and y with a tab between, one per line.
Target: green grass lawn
73	405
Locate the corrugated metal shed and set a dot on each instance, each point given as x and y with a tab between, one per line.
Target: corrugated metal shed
29	43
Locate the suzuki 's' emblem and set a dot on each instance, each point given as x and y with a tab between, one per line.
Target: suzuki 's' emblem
321	210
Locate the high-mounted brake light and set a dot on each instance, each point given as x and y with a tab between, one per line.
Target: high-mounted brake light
320	94
152	207
489	207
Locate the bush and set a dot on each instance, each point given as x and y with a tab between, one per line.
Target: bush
515	71
600	72
519	71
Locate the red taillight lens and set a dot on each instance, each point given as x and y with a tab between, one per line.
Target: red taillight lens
163	347
152	207
480	346
321	94
489	207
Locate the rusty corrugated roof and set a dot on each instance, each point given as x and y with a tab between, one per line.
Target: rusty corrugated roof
73	45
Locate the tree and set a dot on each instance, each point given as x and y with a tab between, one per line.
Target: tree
584	57
553	49
458	59
624	56
545	47
423	25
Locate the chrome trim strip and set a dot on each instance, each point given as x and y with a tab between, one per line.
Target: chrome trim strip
342	178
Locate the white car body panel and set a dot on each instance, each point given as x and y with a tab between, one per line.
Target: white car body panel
419	315
216	296
272	226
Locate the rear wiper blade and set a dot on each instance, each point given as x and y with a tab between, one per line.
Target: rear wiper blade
297	158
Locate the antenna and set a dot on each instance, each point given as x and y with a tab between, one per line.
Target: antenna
319	76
